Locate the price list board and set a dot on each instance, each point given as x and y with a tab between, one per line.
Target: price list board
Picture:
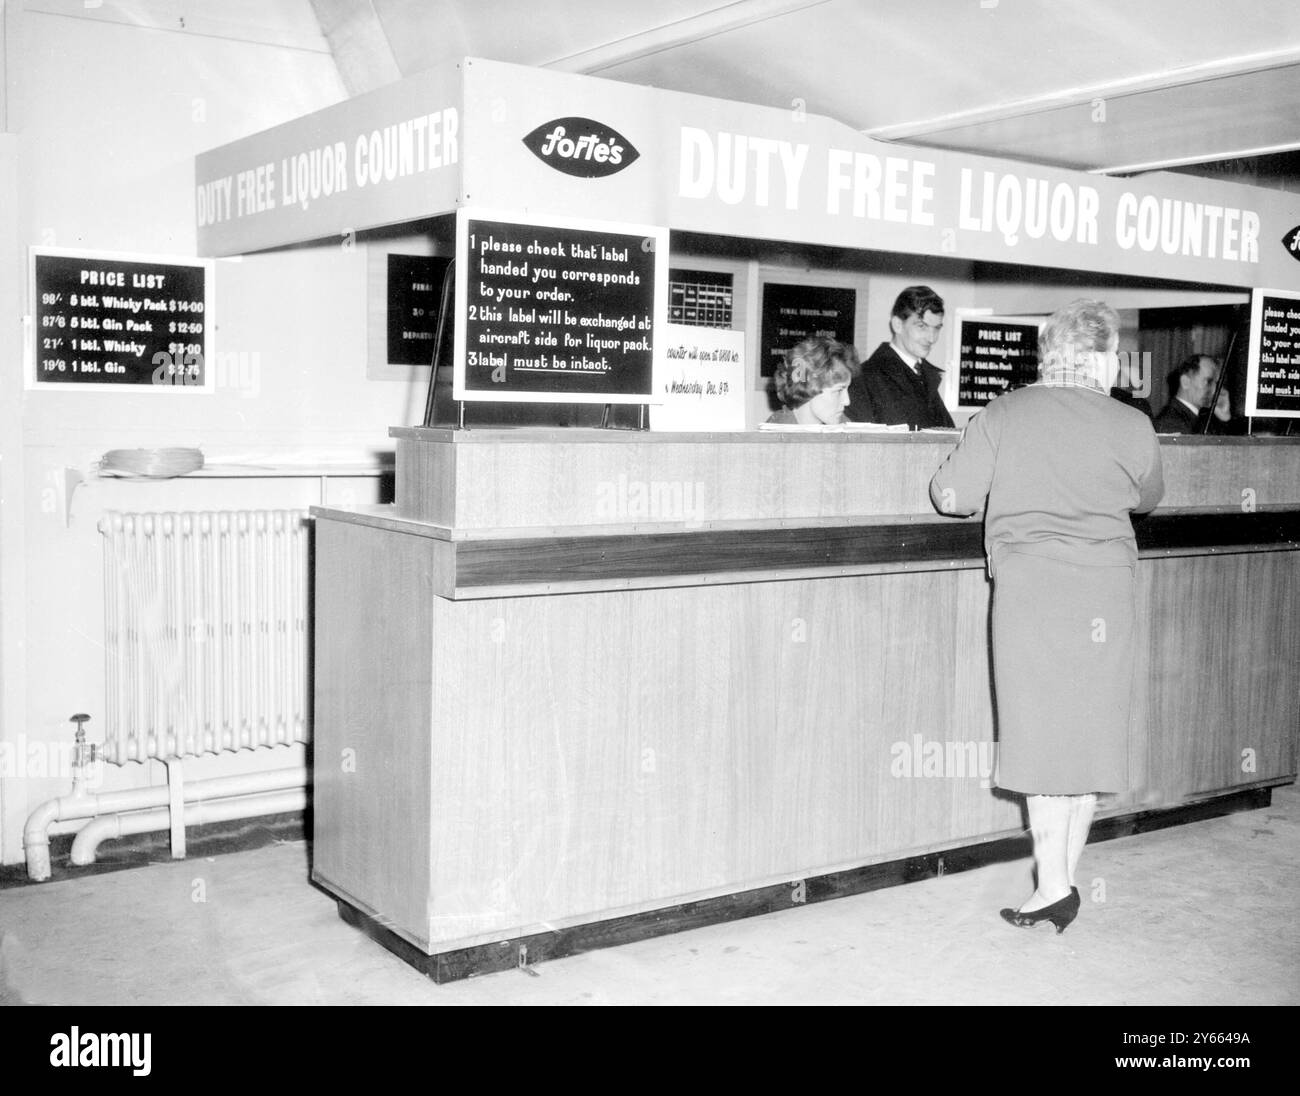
105	321
1273	362
995	355
557	311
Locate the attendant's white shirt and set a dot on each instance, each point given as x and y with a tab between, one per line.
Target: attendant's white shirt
913	363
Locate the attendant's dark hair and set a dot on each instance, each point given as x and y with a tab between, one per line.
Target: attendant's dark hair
917	300
1185	368
811	367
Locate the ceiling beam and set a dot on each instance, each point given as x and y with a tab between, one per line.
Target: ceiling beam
1083	96
244	21
719	20
360	46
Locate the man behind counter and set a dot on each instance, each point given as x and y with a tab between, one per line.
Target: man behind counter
1191	385
897	384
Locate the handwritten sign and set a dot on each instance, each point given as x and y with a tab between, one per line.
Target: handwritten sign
699	379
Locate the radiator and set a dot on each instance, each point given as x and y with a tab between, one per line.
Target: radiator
205	632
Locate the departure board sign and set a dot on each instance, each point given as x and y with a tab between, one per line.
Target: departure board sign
994	354
102	320
1273	364
555	310
414	292
792	313
700	298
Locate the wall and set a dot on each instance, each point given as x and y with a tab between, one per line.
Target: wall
107	106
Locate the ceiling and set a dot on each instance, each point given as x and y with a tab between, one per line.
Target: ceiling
1102	85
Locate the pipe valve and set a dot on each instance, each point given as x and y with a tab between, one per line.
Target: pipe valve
83	754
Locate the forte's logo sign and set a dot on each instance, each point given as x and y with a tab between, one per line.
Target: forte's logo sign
1291	241
581	147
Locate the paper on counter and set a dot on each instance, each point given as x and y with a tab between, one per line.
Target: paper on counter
836	428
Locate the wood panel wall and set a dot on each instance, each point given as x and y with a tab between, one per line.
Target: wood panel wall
373	735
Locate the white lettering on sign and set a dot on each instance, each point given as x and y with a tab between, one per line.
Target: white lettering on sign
212	201
255	190
312	175
899	190
736	168
1186	228
408	148
395	151
1009	205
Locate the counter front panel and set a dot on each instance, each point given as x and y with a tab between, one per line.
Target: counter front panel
566	723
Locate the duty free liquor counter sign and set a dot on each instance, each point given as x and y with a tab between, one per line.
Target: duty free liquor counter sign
573	163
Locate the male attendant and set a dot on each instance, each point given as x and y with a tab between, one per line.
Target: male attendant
897	384
1191	385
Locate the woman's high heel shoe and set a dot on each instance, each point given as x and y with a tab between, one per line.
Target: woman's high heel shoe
1059	913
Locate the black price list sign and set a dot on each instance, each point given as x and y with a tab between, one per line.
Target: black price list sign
996	355
107	321
414	295
557	313
1273	378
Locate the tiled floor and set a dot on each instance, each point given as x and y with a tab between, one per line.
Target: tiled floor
1199	914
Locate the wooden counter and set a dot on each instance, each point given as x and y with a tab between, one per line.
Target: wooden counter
544	699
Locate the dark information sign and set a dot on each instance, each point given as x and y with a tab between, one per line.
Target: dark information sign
699	298
557	313
792	313
1273	364
108	321
414	293
995	355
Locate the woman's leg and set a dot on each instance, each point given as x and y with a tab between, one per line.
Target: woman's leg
1082	808
1049	823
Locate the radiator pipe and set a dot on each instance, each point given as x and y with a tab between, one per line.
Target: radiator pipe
110	826
36	840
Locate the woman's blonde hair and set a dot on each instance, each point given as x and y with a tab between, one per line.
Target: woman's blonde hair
1073	334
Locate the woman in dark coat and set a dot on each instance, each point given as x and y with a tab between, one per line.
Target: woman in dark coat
1059	467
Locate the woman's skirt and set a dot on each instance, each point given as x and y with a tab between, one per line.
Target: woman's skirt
1063	646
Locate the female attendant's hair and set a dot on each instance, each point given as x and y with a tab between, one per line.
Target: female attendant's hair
811	367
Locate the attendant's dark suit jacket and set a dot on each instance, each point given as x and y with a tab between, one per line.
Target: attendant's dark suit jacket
1125	396
888	391
1177	418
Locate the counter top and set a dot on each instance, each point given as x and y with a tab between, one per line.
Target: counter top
579	435
531	478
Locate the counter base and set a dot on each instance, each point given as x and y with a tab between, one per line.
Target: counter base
522	952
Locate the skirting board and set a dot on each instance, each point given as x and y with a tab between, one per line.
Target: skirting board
523	952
